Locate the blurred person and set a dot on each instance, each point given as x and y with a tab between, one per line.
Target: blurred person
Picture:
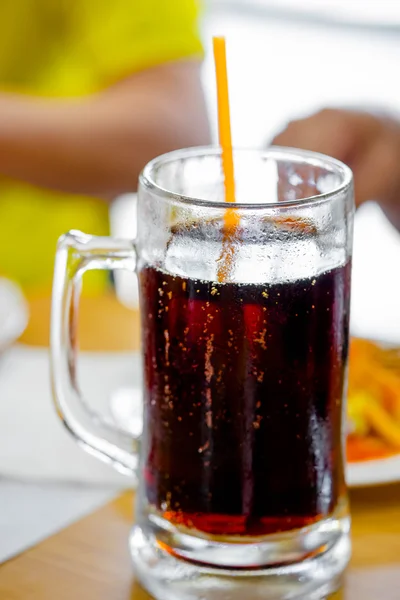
369	142
90	90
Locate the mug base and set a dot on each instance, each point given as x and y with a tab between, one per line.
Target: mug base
167	577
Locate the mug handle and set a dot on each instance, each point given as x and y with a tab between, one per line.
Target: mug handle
76	254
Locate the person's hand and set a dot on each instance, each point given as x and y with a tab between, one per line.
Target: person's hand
368	143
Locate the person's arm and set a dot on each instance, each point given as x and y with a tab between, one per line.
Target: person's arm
368	142
99	144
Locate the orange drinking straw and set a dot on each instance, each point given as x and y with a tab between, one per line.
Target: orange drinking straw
224	117
231	217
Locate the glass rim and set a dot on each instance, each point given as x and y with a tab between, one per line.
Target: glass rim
147	180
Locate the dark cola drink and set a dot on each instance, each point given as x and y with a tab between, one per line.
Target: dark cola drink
243	400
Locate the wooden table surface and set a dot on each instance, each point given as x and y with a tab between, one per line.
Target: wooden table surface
89	560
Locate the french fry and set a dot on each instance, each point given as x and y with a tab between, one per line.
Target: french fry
374	393
381	422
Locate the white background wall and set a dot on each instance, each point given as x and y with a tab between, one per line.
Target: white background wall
376	12
280	68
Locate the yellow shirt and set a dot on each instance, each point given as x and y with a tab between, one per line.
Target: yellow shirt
70	48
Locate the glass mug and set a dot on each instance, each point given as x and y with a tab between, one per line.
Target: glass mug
245	331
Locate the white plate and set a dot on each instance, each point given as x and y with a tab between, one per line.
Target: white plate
373	472
13	313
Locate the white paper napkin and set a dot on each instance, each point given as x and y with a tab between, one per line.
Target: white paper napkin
29	513
33	443
375	307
